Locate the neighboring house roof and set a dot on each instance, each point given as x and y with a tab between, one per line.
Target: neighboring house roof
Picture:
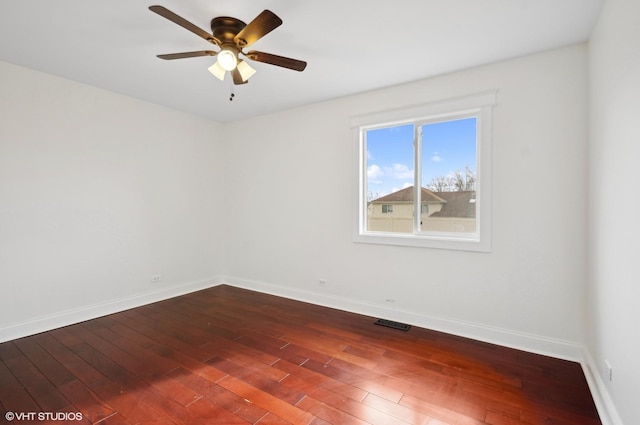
458	204
454	204
406	195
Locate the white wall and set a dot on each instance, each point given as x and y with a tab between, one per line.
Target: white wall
292	210
99	192
614	229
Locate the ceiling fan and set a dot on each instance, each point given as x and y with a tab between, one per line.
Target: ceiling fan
232	35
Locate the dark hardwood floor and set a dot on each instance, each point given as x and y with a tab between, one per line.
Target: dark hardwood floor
231	356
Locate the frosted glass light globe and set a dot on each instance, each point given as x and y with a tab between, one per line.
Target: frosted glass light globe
227	60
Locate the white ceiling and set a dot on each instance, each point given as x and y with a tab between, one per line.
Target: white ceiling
351	46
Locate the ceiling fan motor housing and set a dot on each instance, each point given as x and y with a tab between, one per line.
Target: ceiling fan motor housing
225	28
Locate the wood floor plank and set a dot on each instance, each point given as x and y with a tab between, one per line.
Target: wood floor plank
50	367
356	409
355	376
251	358
142	366
309	381
267	401
328	413
286	350
210	412
218	398
116	419
394	409
227	355
271	419
80	369
438	411
39	387
137	333
9	350
87	402
13	396
169	337
128	402
163	402
261	382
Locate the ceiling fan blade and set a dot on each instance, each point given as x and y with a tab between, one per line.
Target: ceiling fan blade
166	13
262	25
276	60
171	56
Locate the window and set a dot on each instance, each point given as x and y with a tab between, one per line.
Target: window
424	175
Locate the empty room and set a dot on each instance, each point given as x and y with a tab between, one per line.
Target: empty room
276	212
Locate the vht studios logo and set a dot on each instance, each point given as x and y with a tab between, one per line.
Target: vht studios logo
43	416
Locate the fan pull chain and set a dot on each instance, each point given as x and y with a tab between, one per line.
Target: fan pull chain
232	94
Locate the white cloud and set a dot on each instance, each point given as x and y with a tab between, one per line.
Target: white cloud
395	171
399	171
374	172
385	176
436	157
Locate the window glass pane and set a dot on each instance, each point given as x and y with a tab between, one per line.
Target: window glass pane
448	165
390	174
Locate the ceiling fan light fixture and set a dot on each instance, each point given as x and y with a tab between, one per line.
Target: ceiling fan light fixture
217	71
245	70
227	60
231	36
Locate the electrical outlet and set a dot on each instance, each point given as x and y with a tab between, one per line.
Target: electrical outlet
322	282
608	371
390	301
156	278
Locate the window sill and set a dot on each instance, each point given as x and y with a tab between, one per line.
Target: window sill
451	242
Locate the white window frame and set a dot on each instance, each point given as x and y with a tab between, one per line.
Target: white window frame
478	105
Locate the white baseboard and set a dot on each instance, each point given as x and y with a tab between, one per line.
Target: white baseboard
606	409
69	317
558	348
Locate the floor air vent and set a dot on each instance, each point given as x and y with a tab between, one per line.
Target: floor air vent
392	324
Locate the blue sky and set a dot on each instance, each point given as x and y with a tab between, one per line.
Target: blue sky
446	147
